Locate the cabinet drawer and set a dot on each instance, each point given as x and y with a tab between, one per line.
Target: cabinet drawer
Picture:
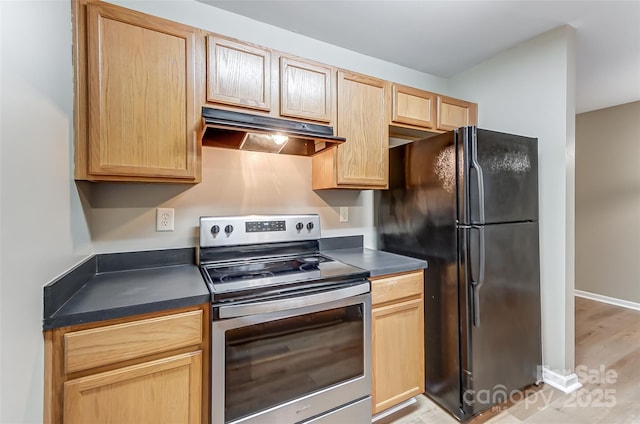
398	286
114	343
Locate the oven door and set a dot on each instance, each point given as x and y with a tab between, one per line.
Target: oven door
290	365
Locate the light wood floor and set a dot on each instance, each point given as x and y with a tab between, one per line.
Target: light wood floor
606	336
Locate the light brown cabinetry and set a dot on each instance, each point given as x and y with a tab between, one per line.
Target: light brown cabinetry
163	391
361	162
150	368
136	96
258	80
398	338
454	113
414	107
141	81
238	74
423	110
306	90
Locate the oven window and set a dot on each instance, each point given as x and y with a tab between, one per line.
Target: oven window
271	363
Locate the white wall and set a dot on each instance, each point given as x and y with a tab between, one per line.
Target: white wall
608	202
529	90
43	228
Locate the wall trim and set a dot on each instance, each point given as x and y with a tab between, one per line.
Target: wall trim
564	383
606	299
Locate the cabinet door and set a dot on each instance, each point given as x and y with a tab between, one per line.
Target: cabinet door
305	90
163	391
238	74
454	113
413	107
363	160
398	373
141	96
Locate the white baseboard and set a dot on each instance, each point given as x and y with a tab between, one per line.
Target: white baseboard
565	383
610	300
393	409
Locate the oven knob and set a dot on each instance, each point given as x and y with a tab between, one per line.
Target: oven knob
228	229
310	226
215	230
299	226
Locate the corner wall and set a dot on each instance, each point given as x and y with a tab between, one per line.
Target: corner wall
529	90
44	230
608	202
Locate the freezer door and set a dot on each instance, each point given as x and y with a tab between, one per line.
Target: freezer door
499	177
502	349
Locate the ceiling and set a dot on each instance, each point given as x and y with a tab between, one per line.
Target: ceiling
444	38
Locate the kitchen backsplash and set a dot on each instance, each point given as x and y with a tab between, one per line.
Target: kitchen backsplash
123	216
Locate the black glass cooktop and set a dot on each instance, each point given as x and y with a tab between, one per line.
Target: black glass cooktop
263	269
256	275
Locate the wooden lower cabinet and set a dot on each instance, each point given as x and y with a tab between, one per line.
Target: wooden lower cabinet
150	368
398	338
162	391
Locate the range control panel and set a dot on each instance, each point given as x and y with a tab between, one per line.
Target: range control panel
265	226
237	230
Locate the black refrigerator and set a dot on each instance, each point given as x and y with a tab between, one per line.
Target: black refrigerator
467	202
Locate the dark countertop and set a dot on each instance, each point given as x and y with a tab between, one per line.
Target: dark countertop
376	262
117	285
124	284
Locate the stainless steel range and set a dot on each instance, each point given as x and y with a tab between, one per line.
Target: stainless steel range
291	330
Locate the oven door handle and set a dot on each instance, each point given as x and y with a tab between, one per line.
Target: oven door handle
255	308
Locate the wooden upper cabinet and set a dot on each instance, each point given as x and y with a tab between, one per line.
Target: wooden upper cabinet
238	74
305	90
413	107
362	162
135	97
455	113
362	120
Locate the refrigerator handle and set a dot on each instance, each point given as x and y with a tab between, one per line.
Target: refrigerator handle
477	284
480	178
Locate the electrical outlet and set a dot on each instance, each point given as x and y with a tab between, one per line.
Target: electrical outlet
164	219
344	214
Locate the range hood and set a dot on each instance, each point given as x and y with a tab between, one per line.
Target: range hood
236	130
